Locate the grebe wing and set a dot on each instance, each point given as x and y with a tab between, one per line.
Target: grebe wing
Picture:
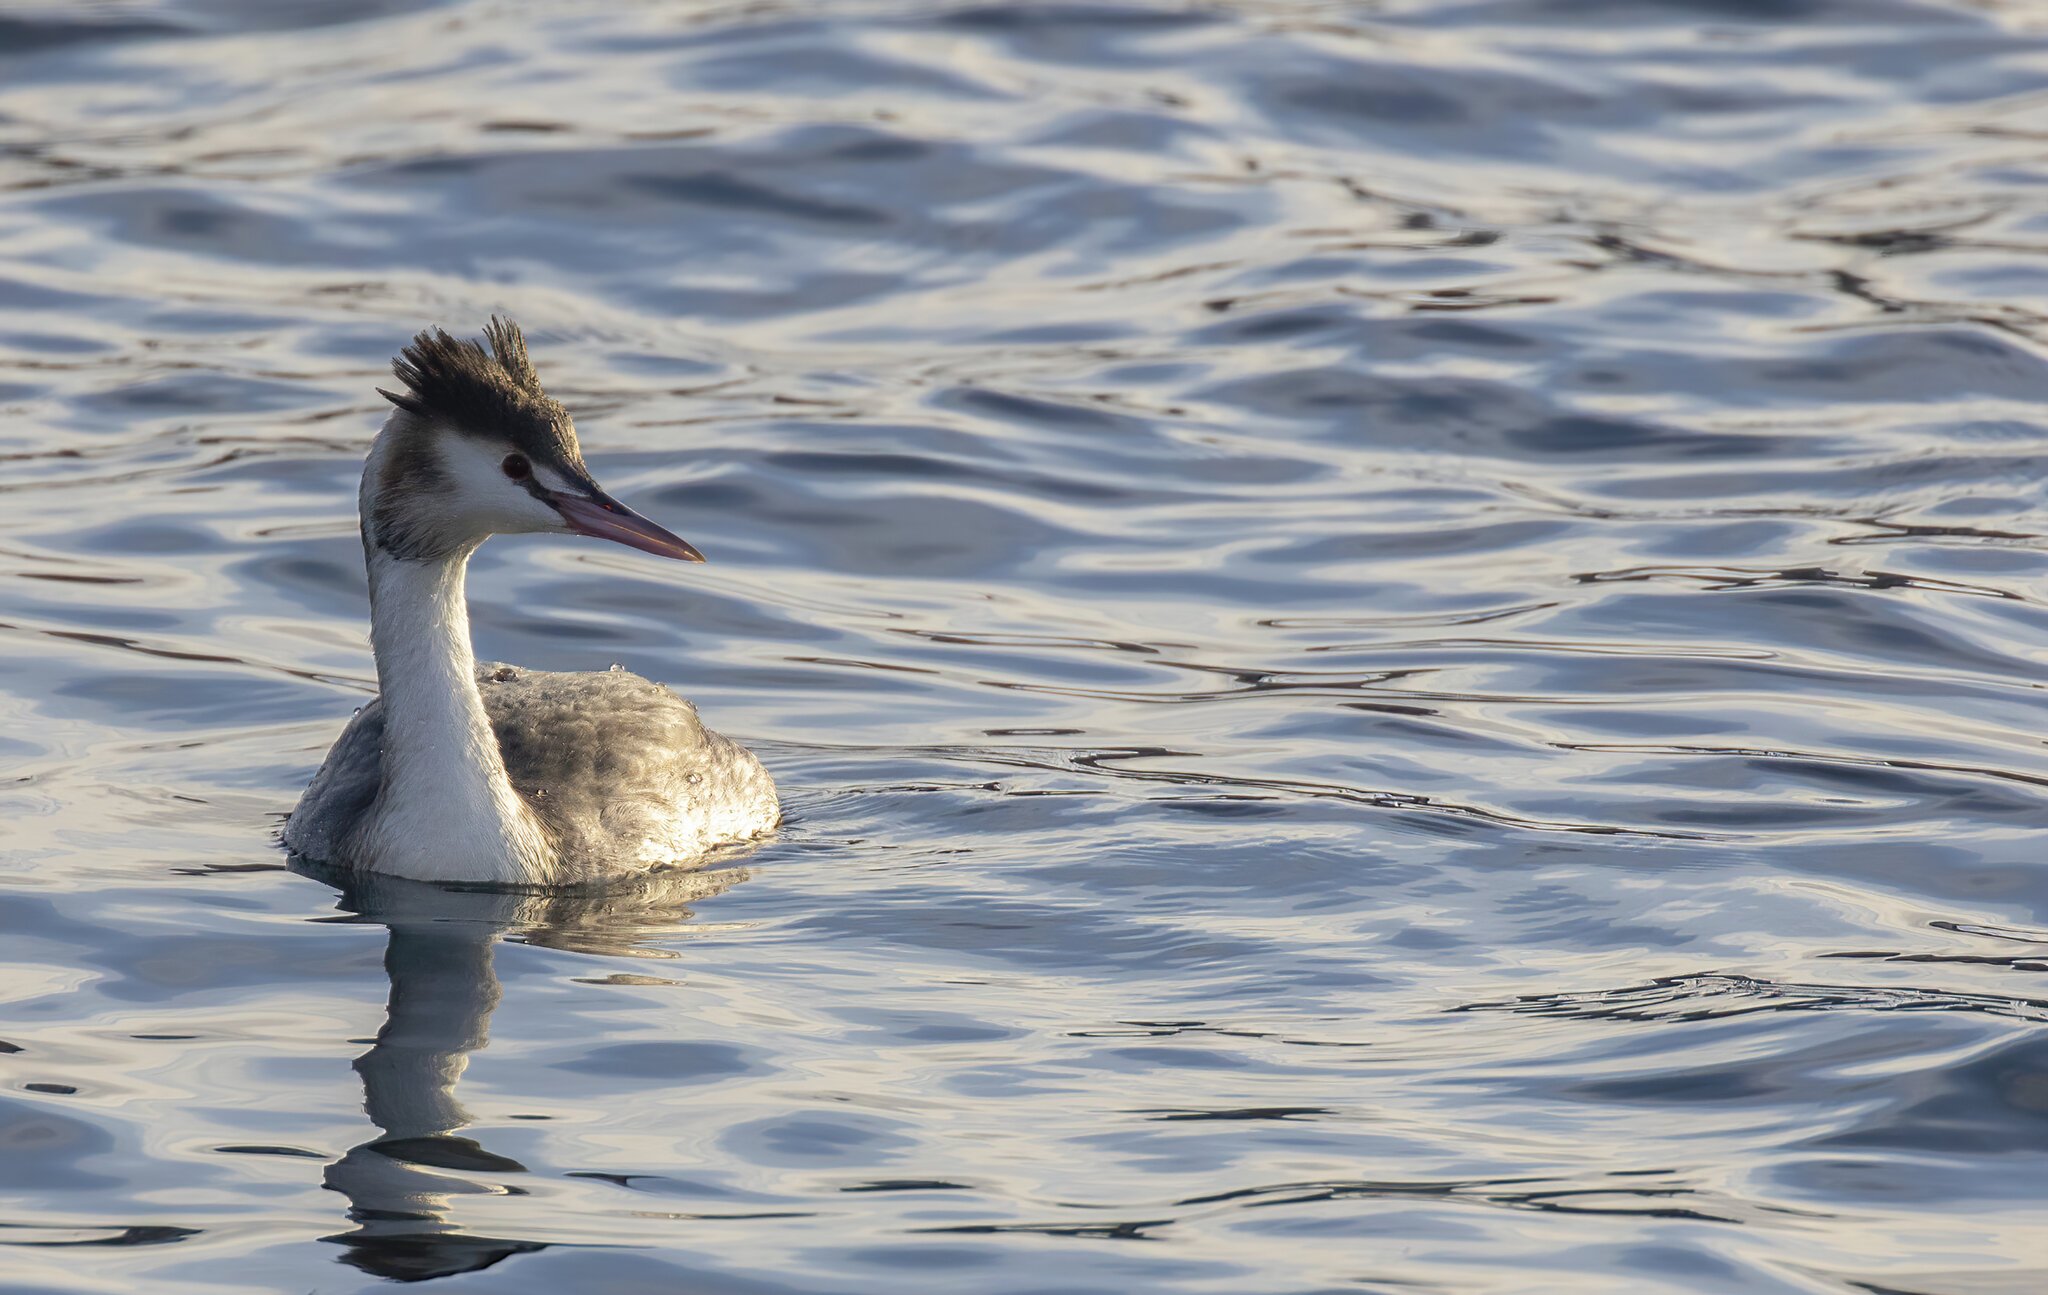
620	770
336	804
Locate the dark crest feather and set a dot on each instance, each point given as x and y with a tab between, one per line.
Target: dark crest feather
508	344
457	382
407	403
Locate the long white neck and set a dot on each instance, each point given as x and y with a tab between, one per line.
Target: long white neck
446	811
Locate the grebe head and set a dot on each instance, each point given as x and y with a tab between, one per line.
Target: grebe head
477	448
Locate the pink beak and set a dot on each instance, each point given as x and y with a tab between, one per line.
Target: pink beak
605	518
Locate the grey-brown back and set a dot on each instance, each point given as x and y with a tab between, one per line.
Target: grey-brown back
619	770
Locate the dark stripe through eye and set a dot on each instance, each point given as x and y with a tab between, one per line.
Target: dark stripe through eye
516	467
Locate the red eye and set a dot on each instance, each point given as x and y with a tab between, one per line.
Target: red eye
516	467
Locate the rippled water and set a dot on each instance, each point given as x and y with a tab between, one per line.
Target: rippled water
1404	641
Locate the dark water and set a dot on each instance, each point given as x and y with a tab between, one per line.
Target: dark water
1405	643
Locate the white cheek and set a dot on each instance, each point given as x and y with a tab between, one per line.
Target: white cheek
489	499
520	511
554	481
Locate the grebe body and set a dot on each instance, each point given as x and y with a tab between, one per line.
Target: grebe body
494	774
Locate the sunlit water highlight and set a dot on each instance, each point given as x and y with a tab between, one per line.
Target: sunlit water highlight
1404	640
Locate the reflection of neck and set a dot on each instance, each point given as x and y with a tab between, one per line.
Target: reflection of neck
443	988
446	809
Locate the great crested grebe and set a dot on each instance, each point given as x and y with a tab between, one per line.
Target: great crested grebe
467	773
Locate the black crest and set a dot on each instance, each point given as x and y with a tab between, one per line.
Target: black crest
457	383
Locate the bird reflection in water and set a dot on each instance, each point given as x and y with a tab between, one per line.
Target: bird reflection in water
402	1185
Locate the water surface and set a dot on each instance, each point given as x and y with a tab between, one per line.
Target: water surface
1404	642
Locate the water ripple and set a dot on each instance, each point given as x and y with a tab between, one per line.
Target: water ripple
1405	624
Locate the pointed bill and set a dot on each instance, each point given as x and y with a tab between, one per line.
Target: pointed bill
604	518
